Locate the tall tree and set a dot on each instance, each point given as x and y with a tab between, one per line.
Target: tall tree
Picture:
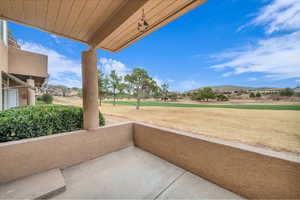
64	90
115	81
205	94
164	91
139	80
102	85
105	86
208	93
121	88
128	88
149	88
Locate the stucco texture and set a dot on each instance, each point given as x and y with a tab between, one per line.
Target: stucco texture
27	63
248	171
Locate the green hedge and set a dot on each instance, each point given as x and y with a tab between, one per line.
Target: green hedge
40	120
46	98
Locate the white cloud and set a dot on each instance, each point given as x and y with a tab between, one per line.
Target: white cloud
62	70
279	57
69	81
227	74
279	15
170	80
67	71
108	64
55	38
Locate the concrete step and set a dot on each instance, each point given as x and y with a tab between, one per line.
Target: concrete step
38	186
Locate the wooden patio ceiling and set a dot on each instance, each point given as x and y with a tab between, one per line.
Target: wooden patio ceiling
106	24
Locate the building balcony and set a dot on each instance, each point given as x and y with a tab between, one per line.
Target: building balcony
26	63
139	161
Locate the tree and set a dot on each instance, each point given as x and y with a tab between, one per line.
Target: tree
103	86
64	90
79	93
204	94
207	93
164	91
139	80
121	88
287	92
222	97
150	88
157	92
100	85
128	88
173	96
75	88
251	95
114	83
258	94
197	96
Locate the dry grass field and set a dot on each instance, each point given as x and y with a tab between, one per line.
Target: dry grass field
276	129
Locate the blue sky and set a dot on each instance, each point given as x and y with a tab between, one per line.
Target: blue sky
229	42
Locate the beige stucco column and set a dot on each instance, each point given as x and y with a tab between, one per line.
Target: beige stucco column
90	89
31	92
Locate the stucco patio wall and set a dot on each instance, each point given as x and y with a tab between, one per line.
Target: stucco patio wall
31	156
248	171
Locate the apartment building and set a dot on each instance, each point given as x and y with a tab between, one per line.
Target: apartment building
22	72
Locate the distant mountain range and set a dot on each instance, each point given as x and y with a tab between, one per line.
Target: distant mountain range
232	88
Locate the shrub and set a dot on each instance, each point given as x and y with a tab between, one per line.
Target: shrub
39	98
252	95
47	98
173	96
40	120
287	92
258	94
222	97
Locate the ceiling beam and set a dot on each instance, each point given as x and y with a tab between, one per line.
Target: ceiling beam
116	21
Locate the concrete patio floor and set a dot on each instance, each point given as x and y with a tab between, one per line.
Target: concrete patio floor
132	173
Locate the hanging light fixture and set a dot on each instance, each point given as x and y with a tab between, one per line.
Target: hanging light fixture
142	23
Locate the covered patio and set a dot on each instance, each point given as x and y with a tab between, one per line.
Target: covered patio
110	25
130	173
130	160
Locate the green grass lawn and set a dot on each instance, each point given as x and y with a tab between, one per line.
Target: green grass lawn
257	107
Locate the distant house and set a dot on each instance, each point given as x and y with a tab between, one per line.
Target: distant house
297	90
266	90
22	72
